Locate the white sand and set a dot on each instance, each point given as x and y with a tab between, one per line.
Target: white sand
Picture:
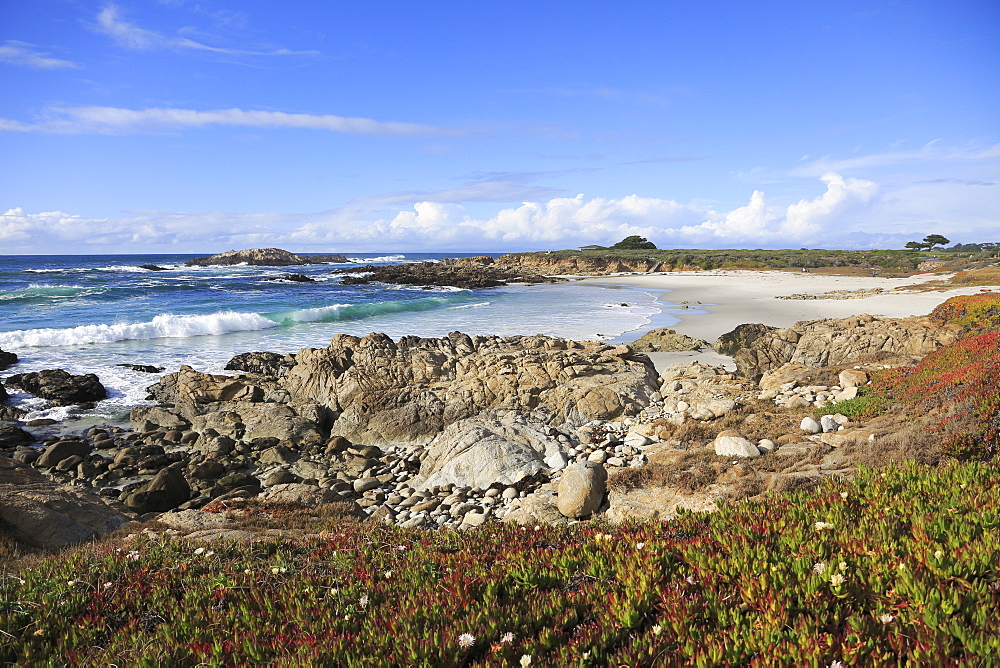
731	298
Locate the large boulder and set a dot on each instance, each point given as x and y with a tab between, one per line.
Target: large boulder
164	492
582	489
61	450
861	339
479	451
60	387
43	514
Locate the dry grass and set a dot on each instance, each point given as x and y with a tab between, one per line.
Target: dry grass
255	515
687	471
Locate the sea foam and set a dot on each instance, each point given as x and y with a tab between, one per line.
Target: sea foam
162	326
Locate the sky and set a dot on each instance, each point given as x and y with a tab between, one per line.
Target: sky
197	126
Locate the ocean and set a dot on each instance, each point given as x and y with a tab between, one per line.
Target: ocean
92	313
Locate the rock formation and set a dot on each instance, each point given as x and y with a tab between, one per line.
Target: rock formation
666	340
466	273
7	359
375	390
856	340
44	514
60	387
262	257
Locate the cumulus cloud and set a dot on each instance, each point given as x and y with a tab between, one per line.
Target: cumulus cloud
26	55
115	120
130	36
847	213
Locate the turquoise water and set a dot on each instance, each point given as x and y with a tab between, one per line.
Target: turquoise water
88	314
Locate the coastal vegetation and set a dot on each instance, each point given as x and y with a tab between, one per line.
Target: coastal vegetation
897	565
902	261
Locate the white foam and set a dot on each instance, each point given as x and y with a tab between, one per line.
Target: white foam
369	260
465	306
162	326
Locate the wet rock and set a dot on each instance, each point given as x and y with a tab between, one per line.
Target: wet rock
7	359
262	364
142	368
292	278
153	267
59	387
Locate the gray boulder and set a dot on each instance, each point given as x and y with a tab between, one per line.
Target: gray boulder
735	446
479	451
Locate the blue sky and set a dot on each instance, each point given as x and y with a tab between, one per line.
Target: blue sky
200	126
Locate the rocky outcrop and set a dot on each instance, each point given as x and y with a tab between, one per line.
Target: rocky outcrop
577	265
292	278
466	273
46	515
846	341
666	340
167	490
262	257
407	391
7	359
375	390
59	387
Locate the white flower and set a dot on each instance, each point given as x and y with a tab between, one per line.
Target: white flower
525	659
72	582
466	640
108	585
199	550
278	569
690	580
886	618
209	553
819	567
657	630
363	601
507	637
836	579
820	526
836	664
842	565
639	546
388	574
938	554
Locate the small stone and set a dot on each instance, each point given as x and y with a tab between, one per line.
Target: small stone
828	424
766	445
362	485
598	457
810	425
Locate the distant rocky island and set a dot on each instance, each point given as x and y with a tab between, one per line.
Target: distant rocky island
264	257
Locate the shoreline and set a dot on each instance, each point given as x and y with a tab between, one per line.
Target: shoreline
707	304
730	298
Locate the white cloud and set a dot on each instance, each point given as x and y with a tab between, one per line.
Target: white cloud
934	152
26	55
848	213
115	120
130	36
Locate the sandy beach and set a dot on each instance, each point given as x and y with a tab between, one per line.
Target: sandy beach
719	300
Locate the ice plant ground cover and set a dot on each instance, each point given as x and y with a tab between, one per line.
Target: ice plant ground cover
897	566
